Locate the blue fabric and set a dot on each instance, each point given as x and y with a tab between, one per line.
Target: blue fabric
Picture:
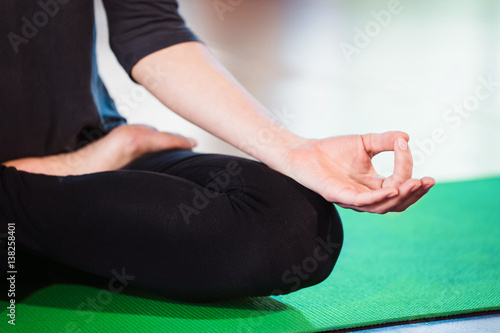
110	117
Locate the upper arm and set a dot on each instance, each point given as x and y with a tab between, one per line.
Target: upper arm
140	27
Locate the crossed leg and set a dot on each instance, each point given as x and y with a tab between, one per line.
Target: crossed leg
187	226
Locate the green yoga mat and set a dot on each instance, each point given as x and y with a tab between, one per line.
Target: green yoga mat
439	258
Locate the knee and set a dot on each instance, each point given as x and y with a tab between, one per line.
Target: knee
302	233
284	237
314	253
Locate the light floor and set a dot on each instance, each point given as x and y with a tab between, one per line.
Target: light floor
484	324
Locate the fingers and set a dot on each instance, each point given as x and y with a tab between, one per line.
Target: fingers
409	193
379	202
403	161
354	198
409	190
391	203
403	164
172	141
427	184
377	143
143	139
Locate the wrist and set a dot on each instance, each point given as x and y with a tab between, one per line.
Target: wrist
275	153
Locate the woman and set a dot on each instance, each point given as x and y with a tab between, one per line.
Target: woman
87	190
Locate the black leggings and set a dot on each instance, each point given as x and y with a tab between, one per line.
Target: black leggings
187	226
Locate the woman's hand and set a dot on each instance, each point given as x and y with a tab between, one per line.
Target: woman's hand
115	150
340	169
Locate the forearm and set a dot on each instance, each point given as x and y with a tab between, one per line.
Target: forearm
189	81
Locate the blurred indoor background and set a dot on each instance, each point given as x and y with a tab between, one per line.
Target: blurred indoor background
338	67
